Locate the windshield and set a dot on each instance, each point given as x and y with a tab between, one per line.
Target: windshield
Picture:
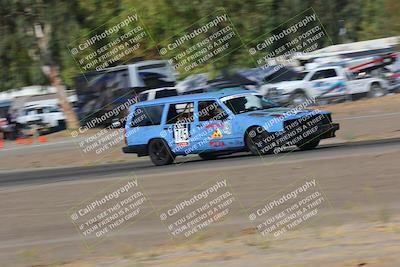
246	103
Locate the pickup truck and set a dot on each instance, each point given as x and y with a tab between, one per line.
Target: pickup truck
44	116
333	82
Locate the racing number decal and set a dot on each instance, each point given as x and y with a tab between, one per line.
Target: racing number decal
182	134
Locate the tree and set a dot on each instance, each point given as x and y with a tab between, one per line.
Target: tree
68	20
43	30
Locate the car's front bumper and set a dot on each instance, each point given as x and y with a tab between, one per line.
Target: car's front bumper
394	85
316	126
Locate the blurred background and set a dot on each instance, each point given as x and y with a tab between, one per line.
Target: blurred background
22	57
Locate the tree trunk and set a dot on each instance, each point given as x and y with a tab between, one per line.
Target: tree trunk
42	32
70	116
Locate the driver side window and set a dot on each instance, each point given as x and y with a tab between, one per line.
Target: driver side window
211	110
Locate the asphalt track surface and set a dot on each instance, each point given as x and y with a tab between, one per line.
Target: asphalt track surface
53	175
35	203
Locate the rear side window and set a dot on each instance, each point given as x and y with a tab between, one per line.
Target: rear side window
323	74
166	93
211	110
180	113
147	116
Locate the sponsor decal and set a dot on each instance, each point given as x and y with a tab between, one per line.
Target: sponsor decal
338	86
217	143
213	125
216	134
227	128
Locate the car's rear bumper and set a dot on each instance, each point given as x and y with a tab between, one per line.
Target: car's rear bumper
140	150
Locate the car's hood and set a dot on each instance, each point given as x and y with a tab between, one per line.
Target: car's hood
280	112
273	119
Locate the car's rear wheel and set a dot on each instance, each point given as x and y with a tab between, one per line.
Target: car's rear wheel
208	156
160	153
376	90
309	145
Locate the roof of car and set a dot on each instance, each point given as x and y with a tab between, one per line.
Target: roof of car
192	97
157	89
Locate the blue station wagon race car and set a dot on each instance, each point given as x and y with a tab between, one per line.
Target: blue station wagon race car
220	123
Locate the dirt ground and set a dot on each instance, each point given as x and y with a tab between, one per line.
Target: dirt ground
374	244
366	119
358	226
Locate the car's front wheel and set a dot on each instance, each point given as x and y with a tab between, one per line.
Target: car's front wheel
255	141
160	153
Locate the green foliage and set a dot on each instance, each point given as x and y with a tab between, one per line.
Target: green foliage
21	60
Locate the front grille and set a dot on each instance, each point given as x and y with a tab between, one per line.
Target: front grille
308	121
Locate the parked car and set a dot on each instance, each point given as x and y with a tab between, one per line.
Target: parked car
44	116
218	123
333	82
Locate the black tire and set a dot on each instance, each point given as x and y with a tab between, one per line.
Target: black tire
253	136
297	98
160	153
376	90
208	156
309	145
61	125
